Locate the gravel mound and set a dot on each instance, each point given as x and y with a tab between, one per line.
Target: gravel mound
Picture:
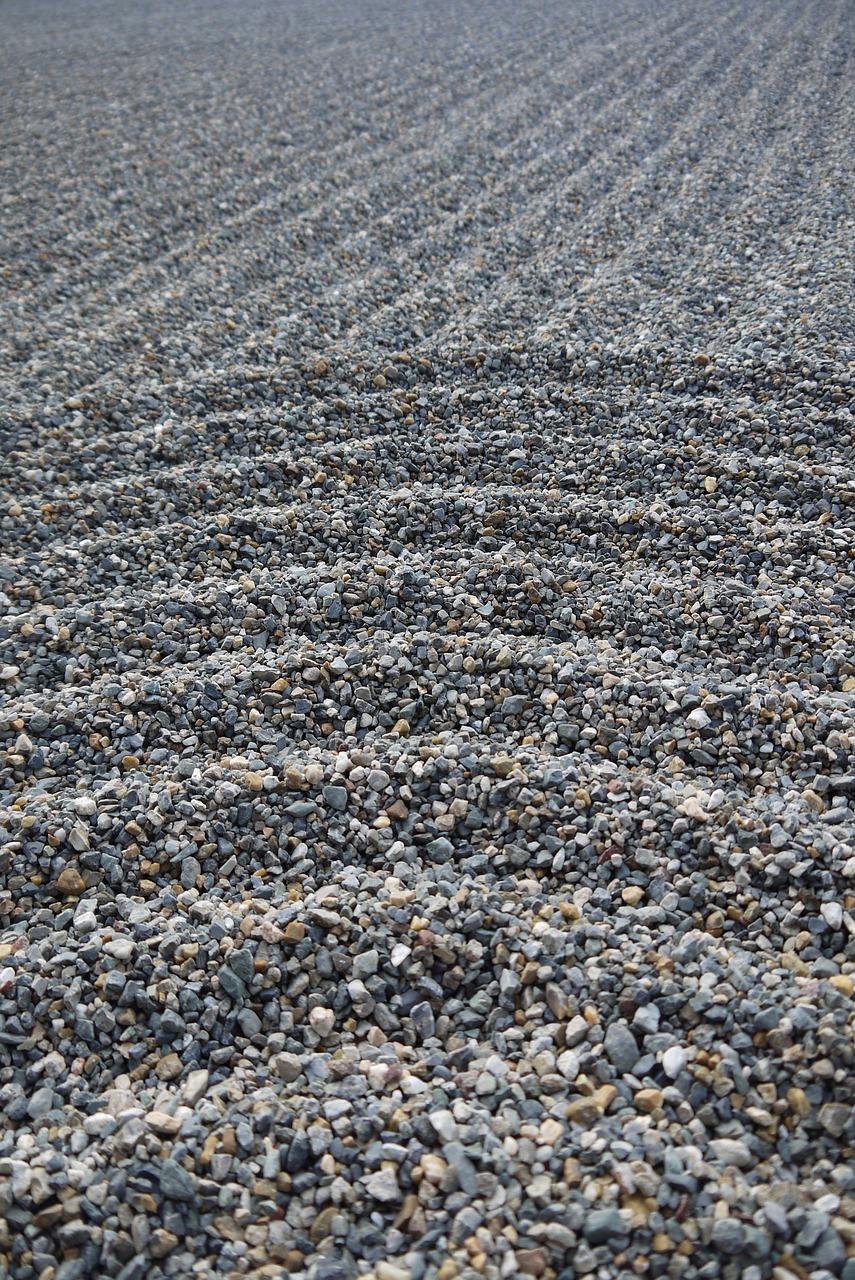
427	759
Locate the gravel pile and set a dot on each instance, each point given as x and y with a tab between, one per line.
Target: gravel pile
427	676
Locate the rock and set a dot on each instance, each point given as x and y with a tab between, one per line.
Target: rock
832	914
169	1067
583	1111
728	1235
175	1183
834	1117
621	1047
70	882
531	1262
162	1242
674	1061
421	1016
162	1123
41	1103
444	1125
322	1021
603	1225
287	1066
336	798
730	1151
383	1186
195	1086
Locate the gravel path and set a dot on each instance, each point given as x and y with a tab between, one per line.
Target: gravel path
427	673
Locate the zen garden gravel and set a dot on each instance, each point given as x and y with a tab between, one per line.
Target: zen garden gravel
427	761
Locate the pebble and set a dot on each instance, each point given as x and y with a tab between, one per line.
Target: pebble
602	1225
728	1235
621	1048
674	1060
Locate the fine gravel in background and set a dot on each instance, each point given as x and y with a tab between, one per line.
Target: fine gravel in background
427	760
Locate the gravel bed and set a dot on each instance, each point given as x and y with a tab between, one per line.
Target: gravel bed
427	672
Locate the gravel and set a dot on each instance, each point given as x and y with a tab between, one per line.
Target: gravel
427	761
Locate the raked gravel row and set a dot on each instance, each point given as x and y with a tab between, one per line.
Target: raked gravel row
427	672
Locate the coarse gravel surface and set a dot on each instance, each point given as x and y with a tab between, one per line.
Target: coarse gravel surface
427	759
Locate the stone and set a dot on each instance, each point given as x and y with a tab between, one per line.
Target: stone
834	1117
603	1225
383	1186
728	1235
444	1125
531	1262
674	1061
175	1183
288	1066
70	882
322	1021
621	1047
731	1151
583	1111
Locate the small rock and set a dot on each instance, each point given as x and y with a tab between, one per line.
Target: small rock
602	1225
383	1186
674	1061
70	882
728	1235
621	1047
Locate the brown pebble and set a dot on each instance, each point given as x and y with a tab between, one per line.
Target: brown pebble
70	882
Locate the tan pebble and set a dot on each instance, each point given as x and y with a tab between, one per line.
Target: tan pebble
842	983
532	1262
551	1131
434	1167
691	808
163	1123
637	1206
632	894
648	1100
169	1067
605	1096
322	1225
583	1111
70	882
710	484
798	1102
295	931
161	1242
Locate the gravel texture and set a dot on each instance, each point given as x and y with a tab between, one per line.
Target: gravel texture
427	771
